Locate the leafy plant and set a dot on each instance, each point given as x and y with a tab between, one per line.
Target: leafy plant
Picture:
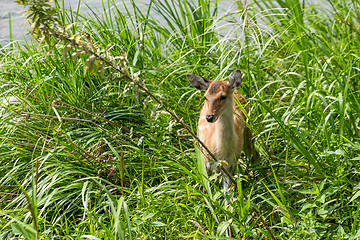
96	116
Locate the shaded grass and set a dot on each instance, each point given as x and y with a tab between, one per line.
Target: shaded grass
93	157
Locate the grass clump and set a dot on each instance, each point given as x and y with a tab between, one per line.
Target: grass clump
87	151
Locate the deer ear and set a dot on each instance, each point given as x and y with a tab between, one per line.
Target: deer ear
235	79
198	82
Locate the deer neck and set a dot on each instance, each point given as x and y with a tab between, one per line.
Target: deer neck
225	125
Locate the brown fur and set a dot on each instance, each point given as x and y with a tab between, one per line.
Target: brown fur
215	87
219	144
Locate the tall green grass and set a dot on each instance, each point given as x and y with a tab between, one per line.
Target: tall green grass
87	155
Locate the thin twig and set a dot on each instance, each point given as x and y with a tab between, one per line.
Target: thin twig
160	102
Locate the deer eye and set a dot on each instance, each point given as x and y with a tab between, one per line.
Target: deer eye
223	97
205	98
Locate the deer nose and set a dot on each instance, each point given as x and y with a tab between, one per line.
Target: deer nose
210	118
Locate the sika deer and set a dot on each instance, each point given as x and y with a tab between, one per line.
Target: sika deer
222	125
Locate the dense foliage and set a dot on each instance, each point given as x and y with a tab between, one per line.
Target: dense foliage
86	154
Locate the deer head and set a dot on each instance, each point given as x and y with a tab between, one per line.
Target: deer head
218	96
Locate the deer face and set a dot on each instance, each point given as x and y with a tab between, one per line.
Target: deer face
218	96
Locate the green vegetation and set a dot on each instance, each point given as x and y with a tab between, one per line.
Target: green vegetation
86	153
